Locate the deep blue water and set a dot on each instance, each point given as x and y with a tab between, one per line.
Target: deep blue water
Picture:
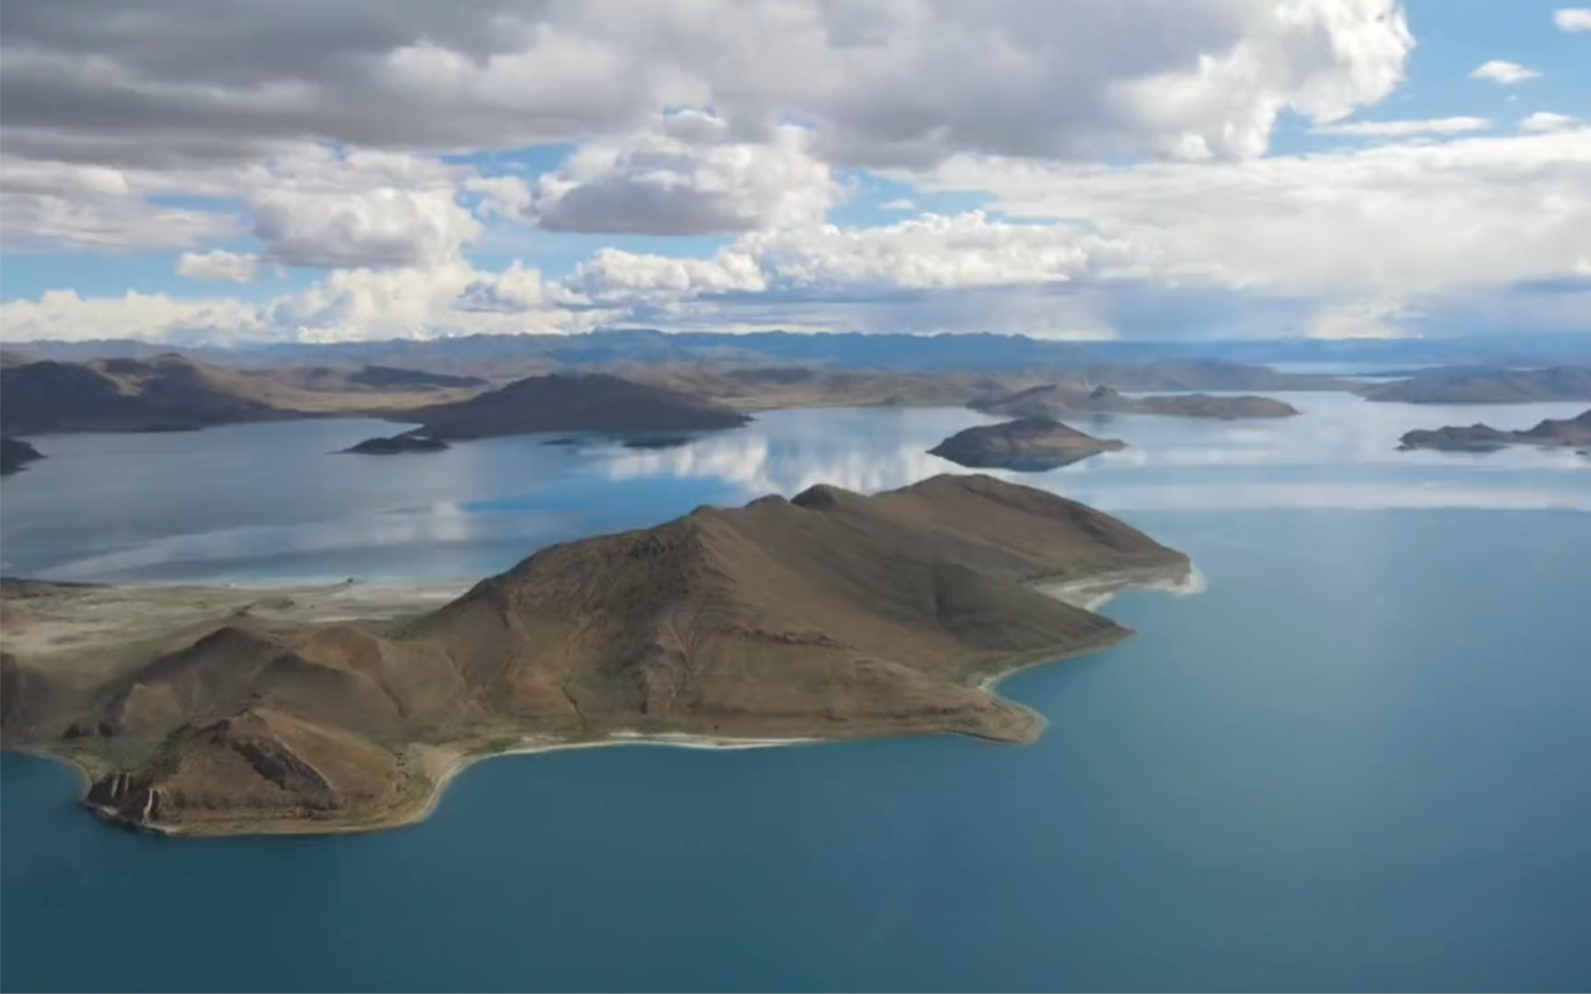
1357	761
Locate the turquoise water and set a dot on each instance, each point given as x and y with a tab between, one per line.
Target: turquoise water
1356	761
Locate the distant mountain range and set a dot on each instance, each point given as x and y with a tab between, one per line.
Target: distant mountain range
906	353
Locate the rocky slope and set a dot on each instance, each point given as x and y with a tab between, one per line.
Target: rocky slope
1027	444
832	615
1571	432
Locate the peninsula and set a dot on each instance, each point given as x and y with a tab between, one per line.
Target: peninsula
1028	445
832	615
1486	386
1570	432
1055	400
595	402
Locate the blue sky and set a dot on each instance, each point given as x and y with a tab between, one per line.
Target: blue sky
1104	169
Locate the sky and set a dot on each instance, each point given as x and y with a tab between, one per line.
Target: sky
234	172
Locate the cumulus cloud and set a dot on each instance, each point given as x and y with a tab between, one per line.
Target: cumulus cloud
310	205
218	265
65	316
1405	129
1503	73
1546	120
382	226
348	305
911	81
925	253
1572	19
903	204
1393	218
686	175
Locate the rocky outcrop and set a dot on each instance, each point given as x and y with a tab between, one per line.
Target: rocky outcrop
1570	432
260	766
15	454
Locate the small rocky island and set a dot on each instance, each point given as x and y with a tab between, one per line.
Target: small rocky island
15	454
1060	400
1570	432
1030	445
832	615
397	445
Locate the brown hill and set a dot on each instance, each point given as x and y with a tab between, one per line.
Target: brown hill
174	393
1027	444
1058	400
598	402
832	615
167	393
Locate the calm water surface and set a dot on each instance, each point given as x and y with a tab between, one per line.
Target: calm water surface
1356	761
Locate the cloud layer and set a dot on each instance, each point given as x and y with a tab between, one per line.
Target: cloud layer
388	147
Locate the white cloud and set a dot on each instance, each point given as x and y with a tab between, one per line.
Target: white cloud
218	265
1398	219
63	315
902	204
1546	120
348	305
1572	19
1377	319
931	252
40	222
1503	73
311	206
903	82
381	226
1405	129
686	175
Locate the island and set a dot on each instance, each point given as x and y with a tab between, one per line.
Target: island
1570	432
16	454
597	402
1054	400
397	445
1485	386
1030	445
828	616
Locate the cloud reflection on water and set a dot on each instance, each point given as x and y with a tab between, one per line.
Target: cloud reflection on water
1341	453
106	508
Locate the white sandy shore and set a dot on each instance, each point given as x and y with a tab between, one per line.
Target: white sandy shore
447	763
1092	593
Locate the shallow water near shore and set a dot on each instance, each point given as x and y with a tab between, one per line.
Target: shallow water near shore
1356	760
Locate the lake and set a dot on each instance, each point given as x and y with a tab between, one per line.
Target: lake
1357	760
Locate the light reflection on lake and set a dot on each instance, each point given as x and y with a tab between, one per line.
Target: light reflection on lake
270	502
